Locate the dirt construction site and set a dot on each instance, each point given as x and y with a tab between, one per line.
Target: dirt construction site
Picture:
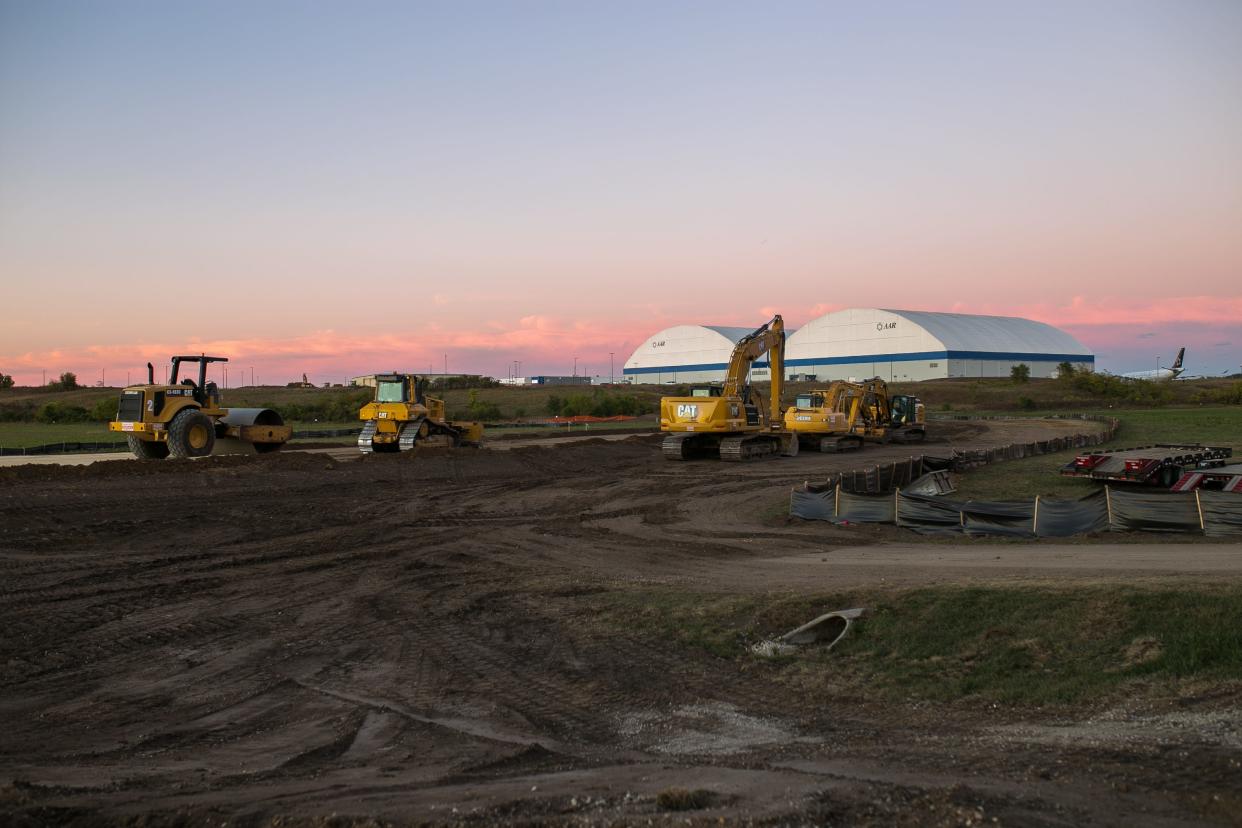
315	637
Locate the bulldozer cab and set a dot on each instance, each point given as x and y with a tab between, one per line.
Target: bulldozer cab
400	388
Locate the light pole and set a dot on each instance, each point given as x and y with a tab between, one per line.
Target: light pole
611	380
575	366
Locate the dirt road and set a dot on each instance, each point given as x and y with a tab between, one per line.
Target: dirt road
411	638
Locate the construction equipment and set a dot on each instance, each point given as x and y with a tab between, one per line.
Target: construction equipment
1159	465
184	418
843	415
729	420
402	416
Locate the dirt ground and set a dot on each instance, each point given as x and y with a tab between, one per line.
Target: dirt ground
244	639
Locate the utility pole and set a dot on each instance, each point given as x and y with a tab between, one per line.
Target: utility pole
45	376
446	365
251	376
575	366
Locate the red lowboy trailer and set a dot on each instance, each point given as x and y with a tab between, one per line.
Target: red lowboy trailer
1159	465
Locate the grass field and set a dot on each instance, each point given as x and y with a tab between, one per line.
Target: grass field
1019	646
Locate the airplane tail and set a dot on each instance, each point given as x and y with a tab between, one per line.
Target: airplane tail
1178	363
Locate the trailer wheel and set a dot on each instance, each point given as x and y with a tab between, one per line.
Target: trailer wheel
146	449
191	434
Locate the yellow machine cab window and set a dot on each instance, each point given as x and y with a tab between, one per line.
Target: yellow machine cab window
390	391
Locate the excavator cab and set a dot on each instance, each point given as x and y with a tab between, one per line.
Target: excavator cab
808	401
707	391
907	411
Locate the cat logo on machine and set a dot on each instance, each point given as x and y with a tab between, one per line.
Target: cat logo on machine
687	411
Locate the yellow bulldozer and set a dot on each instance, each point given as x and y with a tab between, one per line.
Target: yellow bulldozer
402	416
843	415
184	418
730	420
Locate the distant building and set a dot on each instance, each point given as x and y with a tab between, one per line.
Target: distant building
895	345
368	380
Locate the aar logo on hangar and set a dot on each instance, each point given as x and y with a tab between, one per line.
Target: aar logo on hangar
885	326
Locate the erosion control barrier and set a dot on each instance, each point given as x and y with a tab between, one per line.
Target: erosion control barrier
1216	514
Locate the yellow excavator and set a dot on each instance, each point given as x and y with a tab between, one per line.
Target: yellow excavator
184	418
730	420
403	416
843	415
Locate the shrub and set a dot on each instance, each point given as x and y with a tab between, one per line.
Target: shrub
6	381
55	412
104	410
67	382
469	381
1026	403
1020	372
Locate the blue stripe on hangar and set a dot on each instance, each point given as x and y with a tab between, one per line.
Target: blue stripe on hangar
921	356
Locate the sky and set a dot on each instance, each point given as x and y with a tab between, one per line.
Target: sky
342	188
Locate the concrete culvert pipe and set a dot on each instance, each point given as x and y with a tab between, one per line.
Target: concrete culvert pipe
825	631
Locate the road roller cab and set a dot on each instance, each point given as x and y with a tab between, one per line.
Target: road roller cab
184	417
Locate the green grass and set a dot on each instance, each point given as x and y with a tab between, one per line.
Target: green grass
21	435
1014	646
1023	479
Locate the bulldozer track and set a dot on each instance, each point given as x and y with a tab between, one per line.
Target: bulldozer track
366	437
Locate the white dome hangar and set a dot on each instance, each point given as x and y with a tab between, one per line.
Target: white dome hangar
898	345
688	353
895	345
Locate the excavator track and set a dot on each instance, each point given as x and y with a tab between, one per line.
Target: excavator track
366	436
674	446
749	447
838	444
